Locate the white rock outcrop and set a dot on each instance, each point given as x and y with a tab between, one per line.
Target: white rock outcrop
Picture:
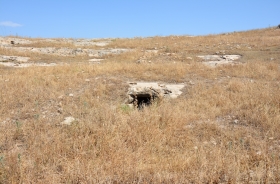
13	58
215	60
144	93
68	121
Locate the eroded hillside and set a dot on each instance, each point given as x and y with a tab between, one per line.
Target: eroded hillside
70	111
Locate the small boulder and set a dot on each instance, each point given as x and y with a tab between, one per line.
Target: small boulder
68	120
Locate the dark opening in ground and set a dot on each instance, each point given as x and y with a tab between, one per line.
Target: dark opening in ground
143	100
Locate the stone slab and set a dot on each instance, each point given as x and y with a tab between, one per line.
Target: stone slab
173	89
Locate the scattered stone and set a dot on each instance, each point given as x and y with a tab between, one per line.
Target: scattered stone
8	41
13	58
90	42
68	120
151	51
95	60
189	58
191	82
101	53
5	121
71	94
211	57
87	80
25	65
102	44
140	61
213	142
131	106
69	51
79	50
60	110
231	57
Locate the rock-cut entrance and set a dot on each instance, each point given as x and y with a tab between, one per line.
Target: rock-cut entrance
143	94
143	100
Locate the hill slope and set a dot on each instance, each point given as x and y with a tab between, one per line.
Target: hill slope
224	127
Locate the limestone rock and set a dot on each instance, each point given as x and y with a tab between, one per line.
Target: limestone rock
215	60
68	120
24	65
95	60
70	51
143	94
13	58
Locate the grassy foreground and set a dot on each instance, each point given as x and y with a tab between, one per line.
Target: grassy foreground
224	128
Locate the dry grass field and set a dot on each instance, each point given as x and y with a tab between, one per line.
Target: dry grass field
223	128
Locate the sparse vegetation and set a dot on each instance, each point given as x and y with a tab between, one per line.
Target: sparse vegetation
224	128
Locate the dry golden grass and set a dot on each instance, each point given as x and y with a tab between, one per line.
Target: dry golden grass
224	128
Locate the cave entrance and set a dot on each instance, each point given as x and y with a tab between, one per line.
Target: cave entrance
143	100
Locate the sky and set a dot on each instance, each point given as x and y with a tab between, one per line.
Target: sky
133	18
